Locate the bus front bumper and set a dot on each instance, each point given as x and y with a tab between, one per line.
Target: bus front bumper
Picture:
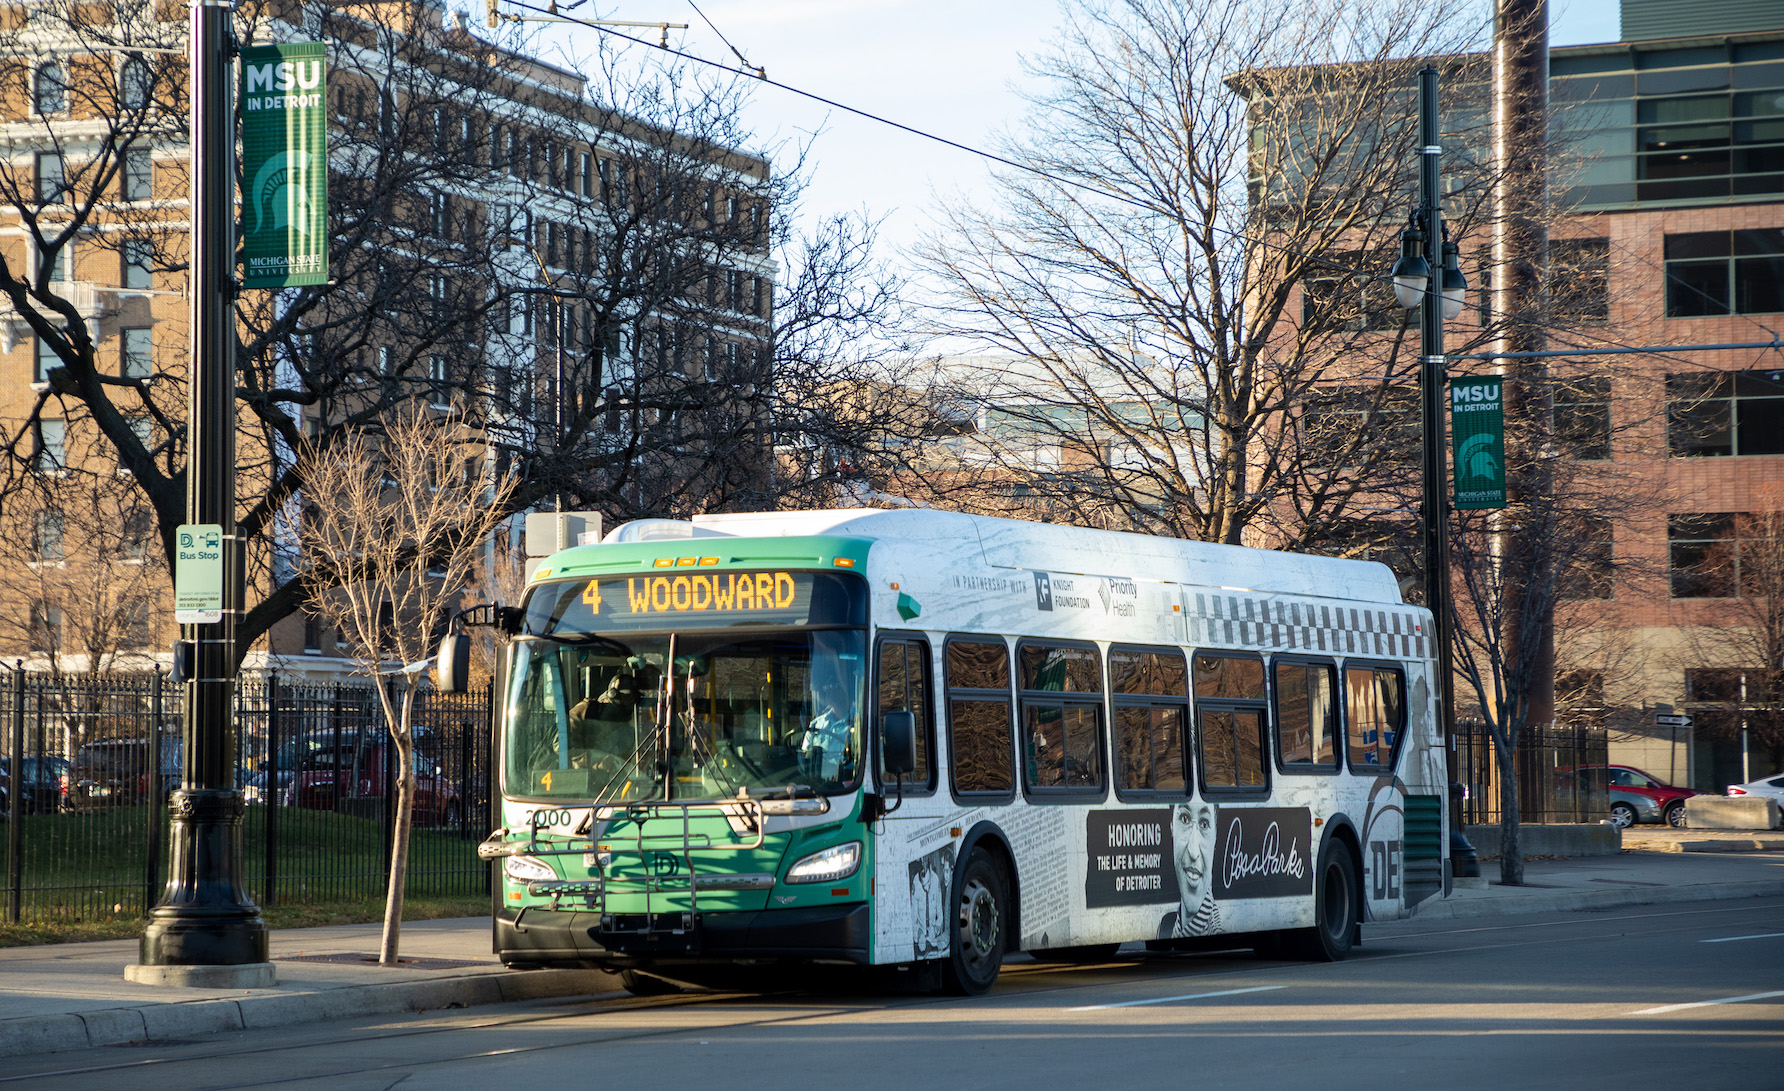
570	938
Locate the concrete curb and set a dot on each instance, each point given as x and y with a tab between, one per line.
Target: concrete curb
1565	901
1720	844
186	1019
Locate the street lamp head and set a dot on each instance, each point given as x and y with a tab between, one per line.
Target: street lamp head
1412	273
1455	285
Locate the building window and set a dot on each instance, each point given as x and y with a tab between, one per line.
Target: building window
1342	295
138	352
1587	562
50	96
49	535
139	268
1725	413
52	448
1583	418
143	428
44	361
46	626
1717	145
384	360
1704	553
51	183
136	84
1724	272
138	175
312	633
1579	279
135	537
1352	426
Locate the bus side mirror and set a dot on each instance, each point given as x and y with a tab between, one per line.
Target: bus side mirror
452	667
898	743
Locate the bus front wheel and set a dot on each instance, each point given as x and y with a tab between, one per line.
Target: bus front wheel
979	932
1335	909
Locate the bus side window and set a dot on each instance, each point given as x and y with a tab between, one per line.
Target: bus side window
1062	717
979	718
904	686
1307	716
1375	708
1230	721
1151	694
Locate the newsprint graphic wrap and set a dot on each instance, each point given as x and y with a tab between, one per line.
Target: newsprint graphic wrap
284	113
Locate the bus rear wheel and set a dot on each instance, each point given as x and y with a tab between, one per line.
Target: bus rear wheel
1335	909
979	933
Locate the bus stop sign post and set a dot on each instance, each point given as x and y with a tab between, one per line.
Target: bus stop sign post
205	932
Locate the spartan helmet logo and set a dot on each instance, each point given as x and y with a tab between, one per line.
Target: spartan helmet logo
1475	458
278	200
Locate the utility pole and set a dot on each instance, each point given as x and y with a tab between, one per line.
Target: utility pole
1520	261
205	932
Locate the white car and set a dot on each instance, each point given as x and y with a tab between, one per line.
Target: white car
1764	787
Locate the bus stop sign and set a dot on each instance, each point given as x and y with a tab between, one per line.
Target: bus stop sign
198	574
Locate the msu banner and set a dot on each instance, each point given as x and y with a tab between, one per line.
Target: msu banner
284	165
1477	428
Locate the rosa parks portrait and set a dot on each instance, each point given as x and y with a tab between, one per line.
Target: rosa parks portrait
1192	853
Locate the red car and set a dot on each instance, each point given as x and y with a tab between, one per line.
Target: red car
360	783
1639	797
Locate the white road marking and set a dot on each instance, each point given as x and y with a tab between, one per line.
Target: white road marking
1168	999
1732	939
1709	1003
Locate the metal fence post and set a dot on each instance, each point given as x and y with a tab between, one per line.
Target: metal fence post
15	834
269	794
157	798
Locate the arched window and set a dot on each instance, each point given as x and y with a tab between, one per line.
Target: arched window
52	89
136	83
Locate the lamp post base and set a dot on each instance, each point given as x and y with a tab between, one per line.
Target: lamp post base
205	921
249	975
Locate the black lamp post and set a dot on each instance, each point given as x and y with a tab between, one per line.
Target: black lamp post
206	932
1429	274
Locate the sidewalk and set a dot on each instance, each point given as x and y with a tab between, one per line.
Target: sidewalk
74	996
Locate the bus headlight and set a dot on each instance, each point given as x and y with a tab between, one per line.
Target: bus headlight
526	869
827	865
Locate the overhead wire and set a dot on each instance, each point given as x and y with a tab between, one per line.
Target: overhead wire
759	74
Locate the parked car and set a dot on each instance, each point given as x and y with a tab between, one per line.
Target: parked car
1636	796
116	772
1766	787
45	790
353	778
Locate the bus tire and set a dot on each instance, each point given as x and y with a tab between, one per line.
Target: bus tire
1093	952
639	983
979	935
1335	909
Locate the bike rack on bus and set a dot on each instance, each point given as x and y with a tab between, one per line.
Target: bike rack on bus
742	815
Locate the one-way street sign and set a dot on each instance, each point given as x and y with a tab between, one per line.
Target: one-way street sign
1669	720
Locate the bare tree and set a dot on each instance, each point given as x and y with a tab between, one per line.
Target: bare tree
1185	261
396	517
83	585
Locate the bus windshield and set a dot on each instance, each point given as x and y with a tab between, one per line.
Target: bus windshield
686	715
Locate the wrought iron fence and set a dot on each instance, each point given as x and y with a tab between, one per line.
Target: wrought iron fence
86	765
1560	771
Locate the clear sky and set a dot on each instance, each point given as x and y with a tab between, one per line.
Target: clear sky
942	66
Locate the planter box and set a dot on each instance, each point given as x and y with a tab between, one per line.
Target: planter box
1731	813
1584	839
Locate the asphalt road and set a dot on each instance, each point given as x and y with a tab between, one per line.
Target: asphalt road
1667	996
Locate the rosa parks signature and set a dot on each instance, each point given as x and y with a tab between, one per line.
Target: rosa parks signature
1269	859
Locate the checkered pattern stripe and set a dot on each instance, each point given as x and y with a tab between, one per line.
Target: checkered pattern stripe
1238	621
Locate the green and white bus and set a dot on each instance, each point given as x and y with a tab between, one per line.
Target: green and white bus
921	738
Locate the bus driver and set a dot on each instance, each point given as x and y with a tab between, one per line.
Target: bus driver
824	750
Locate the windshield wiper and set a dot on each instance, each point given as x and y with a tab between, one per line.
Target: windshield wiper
784	791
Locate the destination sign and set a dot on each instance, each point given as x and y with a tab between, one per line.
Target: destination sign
680	599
